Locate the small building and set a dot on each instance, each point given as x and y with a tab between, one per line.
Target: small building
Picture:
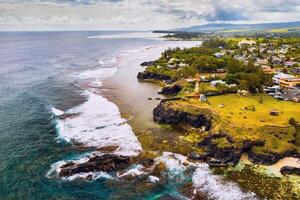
219	55
274	112
217	82
276	60
289	63
182	65
296	70
268	70
171	66
262	61
202	98
277	77
221	70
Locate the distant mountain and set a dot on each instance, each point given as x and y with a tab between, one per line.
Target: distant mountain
217	27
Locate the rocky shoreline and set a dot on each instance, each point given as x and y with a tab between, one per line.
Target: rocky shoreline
215	155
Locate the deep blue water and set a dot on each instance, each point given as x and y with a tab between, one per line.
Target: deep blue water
35	74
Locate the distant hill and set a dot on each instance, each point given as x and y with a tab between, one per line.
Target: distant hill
221	27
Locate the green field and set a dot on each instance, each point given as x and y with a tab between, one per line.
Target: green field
248	118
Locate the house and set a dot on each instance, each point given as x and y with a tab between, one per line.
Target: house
286	80
274	89
182	65
202	98
274	112
245	42
277	77
290	82
289	63
276	60
219	55
173	60
239	58
217	82
268	70
251	49
282	51
296	70
262	61
171	66
221	70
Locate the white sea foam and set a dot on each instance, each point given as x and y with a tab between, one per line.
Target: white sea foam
97	123
174	162
153	179
57	112
216	188
101	73
135	171
89	176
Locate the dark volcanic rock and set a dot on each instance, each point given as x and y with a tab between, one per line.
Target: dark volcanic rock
265	159
229	154
271	158
147	64
166	115
106	163
152	76
290	170
171	90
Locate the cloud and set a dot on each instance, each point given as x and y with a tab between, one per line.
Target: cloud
140	14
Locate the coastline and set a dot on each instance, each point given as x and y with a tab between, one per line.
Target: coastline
131	96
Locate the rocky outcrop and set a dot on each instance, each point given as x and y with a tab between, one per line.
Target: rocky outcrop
147	64
166	115
106	163
287	170
152	76
270	158
171	90
230	154
265	159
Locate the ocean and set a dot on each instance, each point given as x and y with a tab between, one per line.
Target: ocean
47	74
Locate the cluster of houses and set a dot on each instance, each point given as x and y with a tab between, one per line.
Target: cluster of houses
286	87
264	55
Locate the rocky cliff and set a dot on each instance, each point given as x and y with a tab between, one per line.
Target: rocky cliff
152	76
165	114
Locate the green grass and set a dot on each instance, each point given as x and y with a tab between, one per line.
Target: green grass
248	124
239	110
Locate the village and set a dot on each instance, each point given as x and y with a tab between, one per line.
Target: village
272	59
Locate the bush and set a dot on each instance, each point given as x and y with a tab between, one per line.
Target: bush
293	122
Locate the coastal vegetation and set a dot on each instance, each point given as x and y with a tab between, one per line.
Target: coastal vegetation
218	96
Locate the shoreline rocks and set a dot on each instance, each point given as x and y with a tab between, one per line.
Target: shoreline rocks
105	163
152	76
171	90
165	115
147	63
287	170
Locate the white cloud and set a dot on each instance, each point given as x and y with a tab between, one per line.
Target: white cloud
139	14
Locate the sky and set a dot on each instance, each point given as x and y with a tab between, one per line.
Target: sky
139	14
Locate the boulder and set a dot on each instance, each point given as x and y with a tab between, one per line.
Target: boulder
106	163
152	76
171	90
287	170
147	64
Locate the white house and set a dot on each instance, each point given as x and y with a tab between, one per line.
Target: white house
279	76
